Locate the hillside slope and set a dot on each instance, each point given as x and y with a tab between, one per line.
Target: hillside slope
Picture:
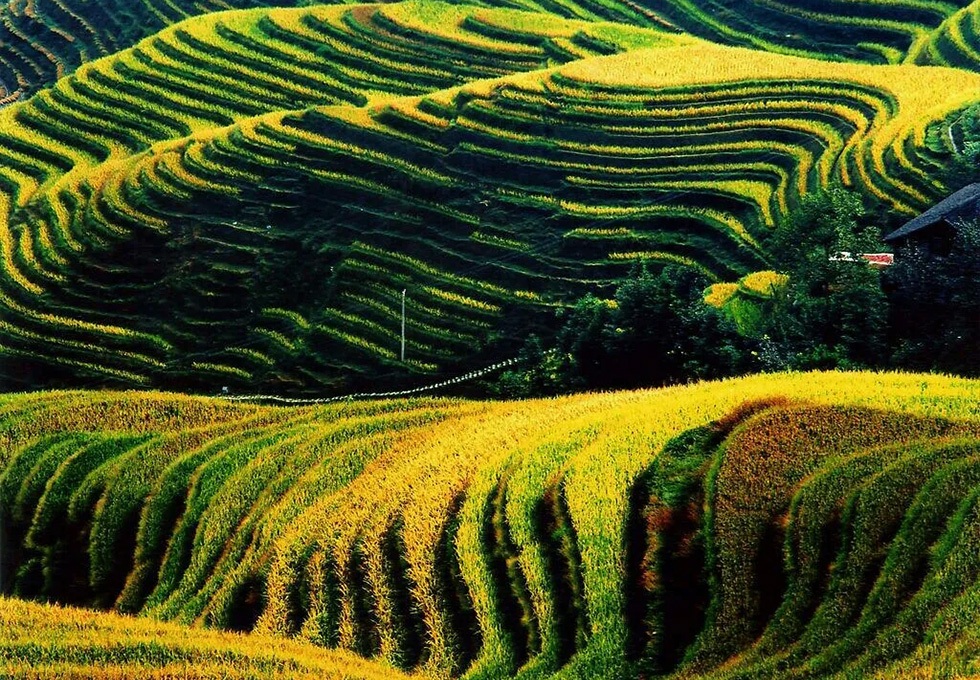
254	227
61	152
774	526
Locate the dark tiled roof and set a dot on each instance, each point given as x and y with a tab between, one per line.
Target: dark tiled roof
951	204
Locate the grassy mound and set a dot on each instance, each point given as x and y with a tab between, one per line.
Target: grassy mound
775	526
161	209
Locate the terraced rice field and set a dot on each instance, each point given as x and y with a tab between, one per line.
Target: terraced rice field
44	40
775	526
239	193
41	642
240	199
66	196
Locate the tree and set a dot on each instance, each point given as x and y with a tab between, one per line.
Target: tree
833	313
658	330
936	303
655	331
663	333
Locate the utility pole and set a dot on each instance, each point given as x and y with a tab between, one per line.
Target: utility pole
404	290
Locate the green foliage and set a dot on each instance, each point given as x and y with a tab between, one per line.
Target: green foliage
936	304
749	302
655	331
833	312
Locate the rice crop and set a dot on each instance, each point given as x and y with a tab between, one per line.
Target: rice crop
809	525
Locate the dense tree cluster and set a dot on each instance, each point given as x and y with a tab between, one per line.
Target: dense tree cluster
921	314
